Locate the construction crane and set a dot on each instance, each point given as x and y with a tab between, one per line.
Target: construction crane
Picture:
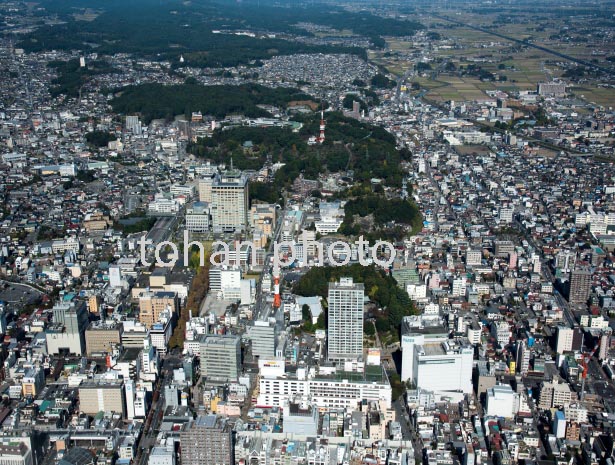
584	360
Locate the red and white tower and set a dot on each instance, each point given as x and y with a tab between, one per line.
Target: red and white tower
277	300
321	135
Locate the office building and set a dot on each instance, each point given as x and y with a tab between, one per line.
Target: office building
262	218
115	275
345	327
220	357
102	395
67	332
197	218
207	440
102	336
229	202
263	337
171	396
152	304
160	333
559	425
225	282
580	286
555	394
33	381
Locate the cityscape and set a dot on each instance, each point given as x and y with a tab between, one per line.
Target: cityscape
292	232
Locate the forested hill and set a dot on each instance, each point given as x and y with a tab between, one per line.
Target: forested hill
203	32
153	101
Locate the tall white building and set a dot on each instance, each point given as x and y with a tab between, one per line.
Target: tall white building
459	287
432	361
502	401
205	184
473	257
568	339
226	282
229	202
345	327
197	218
506	214
133	124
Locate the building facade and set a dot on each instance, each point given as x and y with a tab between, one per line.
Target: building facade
345	326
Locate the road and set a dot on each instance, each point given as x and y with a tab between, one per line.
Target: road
156	412
546	271
407	430
261	308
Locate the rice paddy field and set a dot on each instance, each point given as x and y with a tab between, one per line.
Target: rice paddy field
523	67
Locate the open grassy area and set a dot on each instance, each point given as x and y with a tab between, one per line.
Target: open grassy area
597	95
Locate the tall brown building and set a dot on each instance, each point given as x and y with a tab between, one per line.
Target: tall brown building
580	286
101	336
207	440
152	304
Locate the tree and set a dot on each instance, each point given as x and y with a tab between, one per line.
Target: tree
382	82
306	314
99	138
368	329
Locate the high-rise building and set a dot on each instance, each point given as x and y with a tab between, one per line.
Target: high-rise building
263	337
523	357
229	202
345	328
207	440
205	184
133	124
220	357
580	286
605	342
67	333
568	339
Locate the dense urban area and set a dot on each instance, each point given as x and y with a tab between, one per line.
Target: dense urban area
307	233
